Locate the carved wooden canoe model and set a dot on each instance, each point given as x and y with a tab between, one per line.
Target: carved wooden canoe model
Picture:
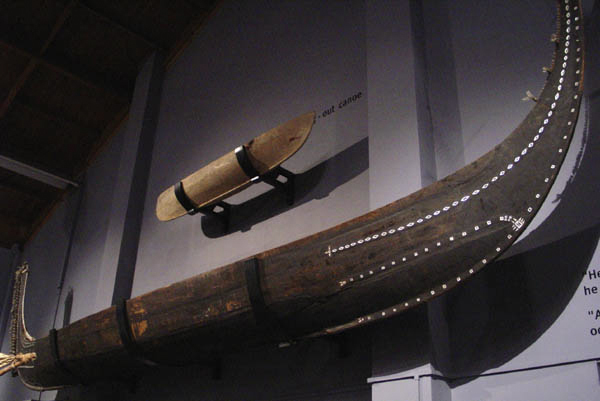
369	268
229	174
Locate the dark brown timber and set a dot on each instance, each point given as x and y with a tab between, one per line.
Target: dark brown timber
366	269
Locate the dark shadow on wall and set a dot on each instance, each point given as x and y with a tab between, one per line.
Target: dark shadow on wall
316	183
498	314
502	311
312	370
401	343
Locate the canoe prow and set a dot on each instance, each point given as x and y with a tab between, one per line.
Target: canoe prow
224	177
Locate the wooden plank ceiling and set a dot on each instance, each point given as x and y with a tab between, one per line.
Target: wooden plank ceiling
67	72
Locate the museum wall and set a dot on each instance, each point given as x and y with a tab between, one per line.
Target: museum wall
435	86
7	257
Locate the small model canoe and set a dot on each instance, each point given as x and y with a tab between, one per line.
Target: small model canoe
226	176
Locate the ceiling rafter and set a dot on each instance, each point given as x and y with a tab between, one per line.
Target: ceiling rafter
12	231
34	61
77	74
144	38
55	117
33	170
189	32
4	186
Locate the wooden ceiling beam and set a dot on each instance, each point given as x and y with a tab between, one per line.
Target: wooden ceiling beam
34	171
33	62
189	32
77	74
142	37
14	90
14	221
19	191
12	231
55	117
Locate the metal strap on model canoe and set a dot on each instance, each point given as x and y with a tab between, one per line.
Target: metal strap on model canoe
184	200
241	154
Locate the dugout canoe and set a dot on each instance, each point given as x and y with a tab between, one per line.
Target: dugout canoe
369	268
230	174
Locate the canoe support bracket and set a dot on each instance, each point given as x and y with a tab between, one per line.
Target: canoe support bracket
286	188
271	177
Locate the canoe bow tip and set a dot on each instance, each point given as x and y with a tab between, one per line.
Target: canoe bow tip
307	120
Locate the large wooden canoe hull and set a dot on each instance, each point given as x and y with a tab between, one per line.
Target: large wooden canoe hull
366	269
